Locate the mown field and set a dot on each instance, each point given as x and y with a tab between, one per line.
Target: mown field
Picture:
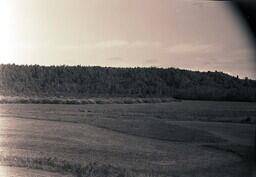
176	139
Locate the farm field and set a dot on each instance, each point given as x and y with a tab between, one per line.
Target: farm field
176	139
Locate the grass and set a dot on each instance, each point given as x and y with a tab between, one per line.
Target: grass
92	169
143	140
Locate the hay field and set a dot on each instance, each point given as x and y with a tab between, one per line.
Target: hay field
177	139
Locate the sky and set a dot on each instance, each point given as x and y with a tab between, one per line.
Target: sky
189	34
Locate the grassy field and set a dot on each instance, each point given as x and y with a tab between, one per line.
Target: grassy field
177	139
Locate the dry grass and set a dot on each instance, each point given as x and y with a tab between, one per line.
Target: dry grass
92	169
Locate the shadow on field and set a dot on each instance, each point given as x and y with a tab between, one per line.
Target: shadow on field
157	129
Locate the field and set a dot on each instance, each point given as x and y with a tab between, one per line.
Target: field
176	139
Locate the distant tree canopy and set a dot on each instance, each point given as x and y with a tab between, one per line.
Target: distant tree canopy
81	81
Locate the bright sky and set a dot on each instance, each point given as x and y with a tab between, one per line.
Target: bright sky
191	34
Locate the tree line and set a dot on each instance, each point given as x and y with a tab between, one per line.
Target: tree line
88	81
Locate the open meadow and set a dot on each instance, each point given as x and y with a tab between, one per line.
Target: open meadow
176	139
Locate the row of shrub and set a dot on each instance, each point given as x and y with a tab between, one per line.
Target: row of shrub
24	100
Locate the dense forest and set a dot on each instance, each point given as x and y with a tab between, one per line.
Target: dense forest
83	81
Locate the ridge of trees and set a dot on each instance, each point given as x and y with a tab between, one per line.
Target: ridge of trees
95	81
